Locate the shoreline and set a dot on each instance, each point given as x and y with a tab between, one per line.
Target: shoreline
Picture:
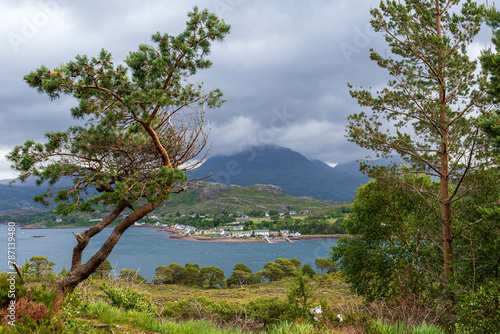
174	234
29	227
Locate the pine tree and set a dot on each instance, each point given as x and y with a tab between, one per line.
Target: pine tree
427	113
144	125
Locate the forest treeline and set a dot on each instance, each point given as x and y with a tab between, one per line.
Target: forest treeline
40	269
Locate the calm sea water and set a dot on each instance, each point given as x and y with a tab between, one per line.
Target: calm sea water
145	249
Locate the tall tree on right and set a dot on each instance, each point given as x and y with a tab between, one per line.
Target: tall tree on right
490	61
427	113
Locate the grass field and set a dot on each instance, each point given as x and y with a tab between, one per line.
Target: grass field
117	306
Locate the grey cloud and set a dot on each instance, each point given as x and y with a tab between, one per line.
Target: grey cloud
293	57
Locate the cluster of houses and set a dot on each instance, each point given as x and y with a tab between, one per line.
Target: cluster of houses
233	231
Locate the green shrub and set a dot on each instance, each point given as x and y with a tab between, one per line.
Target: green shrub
300	296
225	311
200	308
129	275
192	308
479	312
269	310
44	295
427	329
263	311
287	327
381	327
330	277
5	288
128	298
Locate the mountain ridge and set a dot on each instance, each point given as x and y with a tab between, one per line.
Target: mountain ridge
283	167
266	165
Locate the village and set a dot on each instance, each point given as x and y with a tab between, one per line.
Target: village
231	230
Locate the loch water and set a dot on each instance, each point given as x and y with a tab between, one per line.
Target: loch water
145	249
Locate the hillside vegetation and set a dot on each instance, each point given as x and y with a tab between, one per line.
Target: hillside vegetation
213	198
203	198
124	305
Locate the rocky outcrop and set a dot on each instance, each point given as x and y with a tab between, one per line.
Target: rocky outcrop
269	188
207	190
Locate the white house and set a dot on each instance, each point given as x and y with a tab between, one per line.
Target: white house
261	232
240	234
212	231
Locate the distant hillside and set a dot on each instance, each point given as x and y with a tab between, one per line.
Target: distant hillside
215	197
290	170
272	165
18	196
201	198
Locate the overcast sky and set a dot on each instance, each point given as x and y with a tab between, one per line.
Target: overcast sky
284	67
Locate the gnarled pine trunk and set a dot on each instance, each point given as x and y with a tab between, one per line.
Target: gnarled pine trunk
80	272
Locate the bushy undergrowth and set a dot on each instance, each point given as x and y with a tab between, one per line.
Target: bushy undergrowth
10	284
143	321
287	327
34	311
128	298
381	327
255	314
116	303
259	313
479	312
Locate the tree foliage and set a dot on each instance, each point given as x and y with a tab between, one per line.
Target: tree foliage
281	268
308	271
242	275
170	274
212	278
103	271
130	275
301	296
394	249
427	116
142	125
327	265
39	265
491	122
191	275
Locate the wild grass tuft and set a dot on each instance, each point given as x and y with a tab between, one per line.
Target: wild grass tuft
381	327
291	328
